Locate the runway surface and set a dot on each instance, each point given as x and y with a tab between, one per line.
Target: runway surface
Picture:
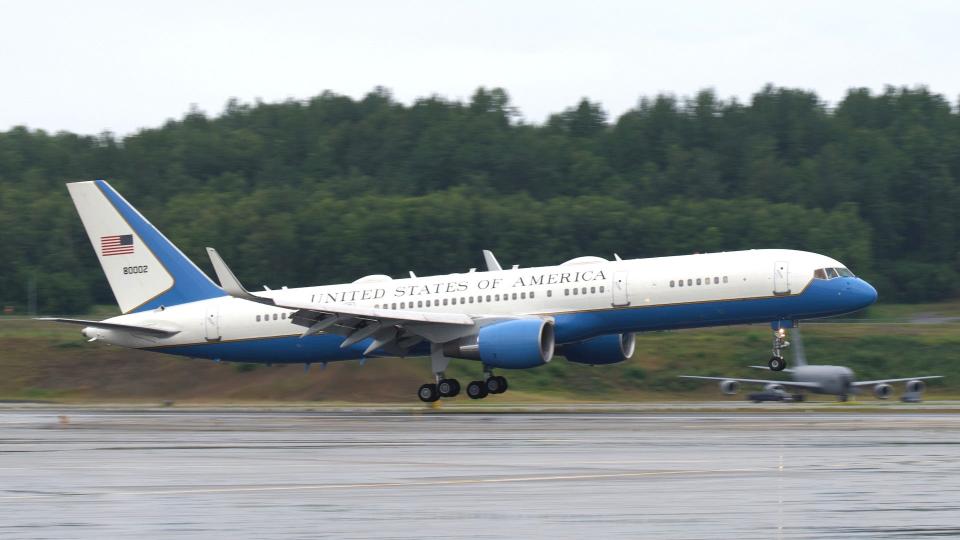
298	474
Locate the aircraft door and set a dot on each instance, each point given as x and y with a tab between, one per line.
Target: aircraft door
211	323
781	277
621	296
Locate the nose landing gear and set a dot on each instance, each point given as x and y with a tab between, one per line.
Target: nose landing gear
777	361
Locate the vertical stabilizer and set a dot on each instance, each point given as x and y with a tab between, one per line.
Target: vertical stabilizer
144	269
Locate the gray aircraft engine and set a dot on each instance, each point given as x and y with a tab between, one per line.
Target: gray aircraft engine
915	386
729	387
609	349
514	344
883	391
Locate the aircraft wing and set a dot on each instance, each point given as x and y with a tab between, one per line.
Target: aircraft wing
793	384
904	379
392	330
151	330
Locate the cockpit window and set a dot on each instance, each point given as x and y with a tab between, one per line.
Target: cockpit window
830	273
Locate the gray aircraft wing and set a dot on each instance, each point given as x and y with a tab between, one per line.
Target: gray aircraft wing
904	379
793	384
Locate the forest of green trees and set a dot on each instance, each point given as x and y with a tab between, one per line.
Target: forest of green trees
331	188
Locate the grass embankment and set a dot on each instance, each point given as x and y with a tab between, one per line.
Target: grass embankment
46	361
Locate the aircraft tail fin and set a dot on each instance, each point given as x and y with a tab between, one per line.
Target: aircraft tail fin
145	270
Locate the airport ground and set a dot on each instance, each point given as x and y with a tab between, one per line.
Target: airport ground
772	472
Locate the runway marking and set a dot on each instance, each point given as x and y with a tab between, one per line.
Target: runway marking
380	485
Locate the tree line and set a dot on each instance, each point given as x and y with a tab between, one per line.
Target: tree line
332	188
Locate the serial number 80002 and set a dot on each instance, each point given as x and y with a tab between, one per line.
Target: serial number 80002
135	269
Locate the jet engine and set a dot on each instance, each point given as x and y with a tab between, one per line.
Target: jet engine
916	386
729	387
609	349
513	344
773	387
883	391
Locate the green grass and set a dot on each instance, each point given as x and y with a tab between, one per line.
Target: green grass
47	361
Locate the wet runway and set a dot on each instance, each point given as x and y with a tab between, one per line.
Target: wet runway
296	474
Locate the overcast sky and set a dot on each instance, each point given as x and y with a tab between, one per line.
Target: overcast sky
123	65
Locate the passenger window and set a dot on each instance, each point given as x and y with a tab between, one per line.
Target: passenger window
566	292
393	305
716	281
514	296
523	296
531	295
698	281
706	281
672	283
488	298
680	283
480	299
583	290
471	299
258	318
576	291
549	293
724	279
689	282
496	298
601	289
593	290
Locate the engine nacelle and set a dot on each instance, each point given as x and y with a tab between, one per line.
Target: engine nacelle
729	387
515	344
916	386
773	387
609	349
883	391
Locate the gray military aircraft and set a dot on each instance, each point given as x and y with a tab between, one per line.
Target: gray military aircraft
834	380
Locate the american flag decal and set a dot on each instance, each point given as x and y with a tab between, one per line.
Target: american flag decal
118	244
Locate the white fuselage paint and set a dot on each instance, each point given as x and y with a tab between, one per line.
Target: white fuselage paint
547	291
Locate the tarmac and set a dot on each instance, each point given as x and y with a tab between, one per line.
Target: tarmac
774	472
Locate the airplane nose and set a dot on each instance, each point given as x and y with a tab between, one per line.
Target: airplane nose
865	293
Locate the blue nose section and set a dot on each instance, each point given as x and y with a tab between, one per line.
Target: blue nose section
862	293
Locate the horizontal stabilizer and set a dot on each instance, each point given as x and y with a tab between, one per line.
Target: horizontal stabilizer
151	330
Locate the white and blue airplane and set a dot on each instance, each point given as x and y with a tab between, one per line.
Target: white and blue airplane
587	309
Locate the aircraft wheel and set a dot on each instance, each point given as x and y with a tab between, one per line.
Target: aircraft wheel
428	393
776	363
496	384
477	390
448	387
503	383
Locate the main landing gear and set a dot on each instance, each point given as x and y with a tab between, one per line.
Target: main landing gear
777	361
444	387
491	384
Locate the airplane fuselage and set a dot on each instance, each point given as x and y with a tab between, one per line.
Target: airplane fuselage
585	298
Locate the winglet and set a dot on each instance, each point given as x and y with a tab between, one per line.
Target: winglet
229	282
493	265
